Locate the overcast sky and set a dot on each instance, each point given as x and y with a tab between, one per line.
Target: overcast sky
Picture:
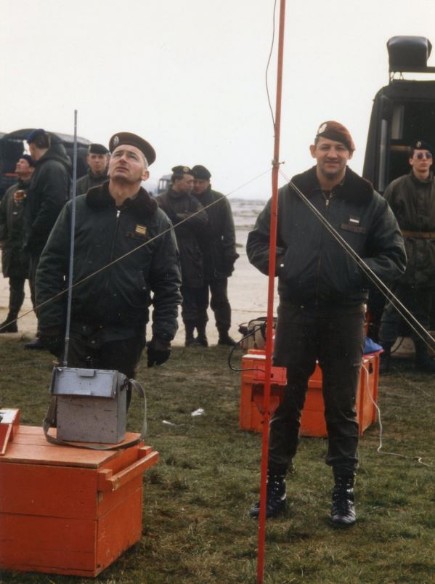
189	75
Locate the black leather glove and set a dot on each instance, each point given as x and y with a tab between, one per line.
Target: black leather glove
228	268
229	265
157	352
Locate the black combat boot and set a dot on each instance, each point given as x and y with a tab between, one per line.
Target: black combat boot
225	339
276	497
9	325
343	506
423	361
190	340
201	339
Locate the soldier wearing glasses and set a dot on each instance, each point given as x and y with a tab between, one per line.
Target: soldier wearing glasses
412	199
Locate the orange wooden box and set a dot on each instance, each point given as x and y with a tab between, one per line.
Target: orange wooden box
66	510
312	419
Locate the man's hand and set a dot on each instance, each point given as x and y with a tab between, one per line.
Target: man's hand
157	352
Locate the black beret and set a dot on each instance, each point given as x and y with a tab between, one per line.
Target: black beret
29	159
129	139
422	145
180	170
201	172
97	149
337	132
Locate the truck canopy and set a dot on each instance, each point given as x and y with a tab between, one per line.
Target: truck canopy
402	112
12	147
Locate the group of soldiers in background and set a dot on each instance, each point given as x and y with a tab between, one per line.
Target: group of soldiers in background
205	232
202	219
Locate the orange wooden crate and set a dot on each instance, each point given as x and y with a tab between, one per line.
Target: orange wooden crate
67	510
312	419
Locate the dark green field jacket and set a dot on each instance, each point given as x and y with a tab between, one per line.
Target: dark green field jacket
313	269
413	203
109	291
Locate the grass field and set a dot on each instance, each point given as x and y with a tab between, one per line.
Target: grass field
196	529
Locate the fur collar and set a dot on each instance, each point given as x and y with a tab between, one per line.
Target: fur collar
142	206
354	188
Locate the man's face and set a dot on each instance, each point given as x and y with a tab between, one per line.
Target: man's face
200	185
127	164
23	169
184	185
421	161
331	157
97	163
34	152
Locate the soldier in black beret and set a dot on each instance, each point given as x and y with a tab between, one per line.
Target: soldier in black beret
126	260
98	161
412	198
219	256
191	228
15	261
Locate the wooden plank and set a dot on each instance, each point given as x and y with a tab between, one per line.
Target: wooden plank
30	446
41	543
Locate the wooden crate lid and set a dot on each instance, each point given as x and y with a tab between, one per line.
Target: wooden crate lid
30	446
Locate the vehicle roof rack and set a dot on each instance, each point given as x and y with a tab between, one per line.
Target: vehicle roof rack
409	54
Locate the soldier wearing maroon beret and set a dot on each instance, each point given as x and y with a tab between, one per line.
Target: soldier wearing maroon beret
322	296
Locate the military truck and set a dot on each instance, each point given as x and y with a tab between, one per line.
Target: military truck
12	146
403	111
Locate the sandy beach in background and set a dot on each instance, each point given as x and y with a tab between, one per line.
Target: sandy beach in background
247	287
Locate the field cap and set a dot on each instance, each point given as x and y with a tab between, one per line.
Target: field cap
336	131
422	145
201	172
129	139
97	149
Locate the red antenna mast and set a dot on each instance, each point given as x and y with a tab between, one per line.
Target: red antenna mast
269	322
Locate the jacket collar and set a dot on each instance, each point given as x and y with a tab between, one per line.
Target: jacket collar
354	188
142	206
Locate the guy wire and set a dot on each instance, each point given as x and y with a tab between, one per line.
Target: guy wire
115	261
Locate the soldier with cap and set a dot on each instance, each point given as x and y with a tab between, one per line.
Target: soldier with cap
322	295
15	261
98	161
191	228
125	266
412	199
48	192
219	256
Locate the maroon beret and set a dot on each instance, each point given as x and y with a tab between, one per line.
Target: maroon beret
336	131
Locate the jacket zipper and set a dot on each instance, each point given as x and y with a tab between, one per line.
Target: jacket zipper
115	235
319	262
